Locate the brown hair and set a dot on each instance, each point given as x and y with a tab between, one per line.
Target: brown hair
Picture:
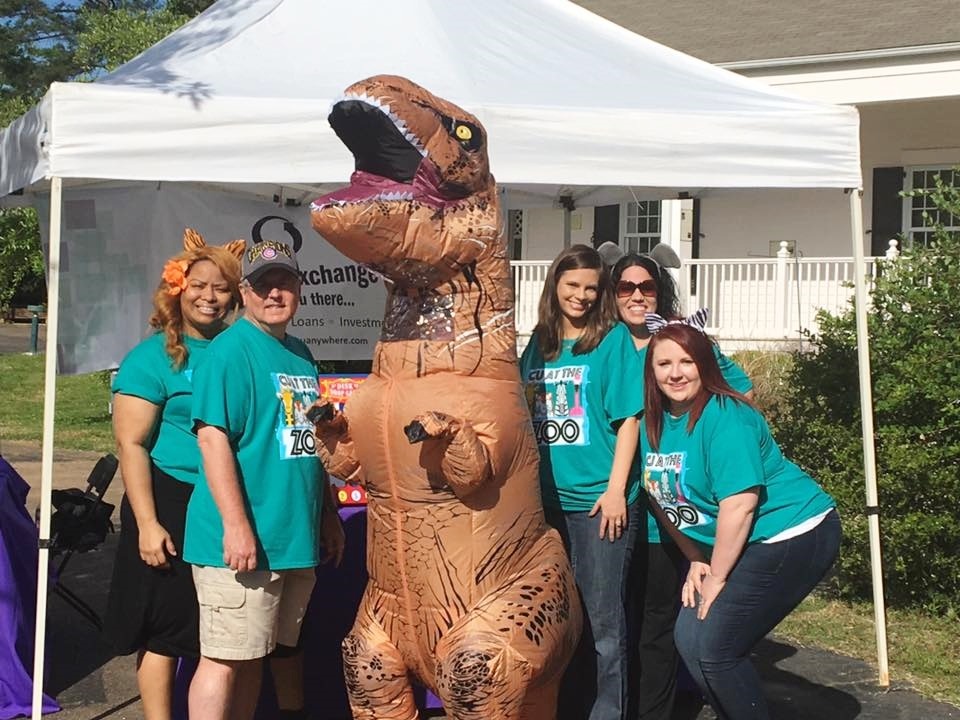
167	316
700	349
601	317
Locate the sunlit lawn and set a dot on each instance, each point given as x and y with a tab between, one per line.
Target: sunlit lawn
923	651
82	420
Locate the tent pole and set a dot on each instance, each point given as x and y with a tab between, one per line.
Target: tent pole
866	420
46	466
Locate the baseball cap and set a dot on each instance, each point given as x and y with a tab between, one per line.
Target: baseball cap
267	255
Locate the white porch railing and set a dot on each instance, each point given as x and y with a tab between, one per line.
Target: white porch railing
754	303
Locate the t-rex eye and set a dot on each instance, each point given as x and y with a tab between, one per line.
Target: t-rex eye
463	132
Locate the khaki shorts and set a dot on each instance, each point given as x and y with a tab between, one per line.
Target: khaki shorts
244	615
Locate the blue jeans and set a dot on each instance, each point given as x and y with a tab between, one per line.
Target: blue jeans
595	684
767	583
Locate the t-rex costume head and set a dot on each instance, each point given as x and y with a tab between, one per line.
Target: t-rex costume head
469	591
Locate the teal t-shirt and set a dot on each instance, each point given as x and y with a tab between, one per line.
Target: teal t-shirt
736	378
575	401
730	450
257	389
147	372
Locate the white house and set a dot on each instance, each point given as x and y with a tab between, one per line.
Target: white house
898	63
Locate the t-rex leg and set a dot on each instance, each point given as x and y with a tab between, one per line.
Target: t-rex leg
334	444
504	660
375	675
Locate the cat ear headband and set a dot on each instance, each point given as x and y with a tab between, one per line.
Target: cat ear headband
698	321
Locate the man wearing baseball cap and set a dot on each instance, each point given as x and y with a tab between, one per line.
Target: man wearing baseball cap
252	522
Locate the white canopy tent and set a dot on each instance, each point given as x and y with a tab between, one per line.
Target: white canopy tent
241	94
572	104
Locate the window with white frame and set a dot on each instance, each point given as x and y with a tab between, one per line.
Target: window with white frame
919	212
640	228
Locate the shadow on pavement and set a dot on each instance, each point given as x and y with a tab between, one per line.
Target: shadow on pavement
789	696
793	696
77	655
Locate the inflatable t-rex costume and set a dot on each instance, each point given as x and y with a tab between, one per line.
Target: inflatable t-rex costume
470	591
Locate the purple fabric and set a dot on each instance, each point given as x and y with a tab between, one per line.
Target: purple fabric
18	597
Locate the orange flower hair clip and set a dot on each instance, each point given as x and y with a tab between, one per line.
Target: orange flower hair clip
175	275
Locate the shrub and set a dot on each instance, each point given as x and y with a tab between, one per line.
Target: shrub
767	371
914	326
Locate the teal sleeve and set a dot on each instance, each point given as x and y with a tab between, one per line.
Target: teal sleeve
221	393
734	461
141	374
732	373
622	375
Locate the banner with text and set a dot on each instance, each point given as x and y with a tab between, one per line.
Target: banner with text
116	240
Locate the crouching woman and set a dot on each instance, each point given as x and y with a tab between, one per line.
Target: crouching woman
770	532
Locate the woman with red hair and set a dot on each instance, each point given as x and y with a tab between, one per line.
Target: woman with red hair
769	531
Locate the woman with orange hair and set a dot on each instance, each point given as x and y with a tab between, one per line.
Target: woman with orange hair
152	609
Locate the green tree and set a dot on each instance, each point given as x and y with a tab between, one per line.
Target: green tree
36	46
914	325
108	39
21	262
42	42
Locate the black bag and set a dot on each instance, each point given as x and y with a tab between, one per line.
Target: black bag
80	522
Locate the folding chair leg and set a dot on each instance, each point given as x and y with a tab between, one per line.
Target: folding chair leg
79	605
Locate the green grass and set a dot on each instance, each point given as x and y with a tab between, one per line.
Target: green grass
82	420
923	651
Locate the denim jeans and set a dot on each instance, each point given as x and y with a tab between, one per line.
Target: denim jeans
768	581
595	684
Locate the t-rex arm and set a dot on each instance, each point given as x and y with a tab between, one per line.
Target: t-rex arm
465	463
334	444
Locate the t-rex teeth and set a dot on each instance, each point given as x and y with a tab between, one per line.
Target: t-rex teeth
386	110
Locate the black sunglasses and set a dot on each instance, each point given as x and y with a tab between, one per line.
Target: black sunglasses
625	288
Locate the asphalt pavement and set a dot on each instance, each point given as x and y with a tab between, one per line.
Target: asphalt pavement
15	337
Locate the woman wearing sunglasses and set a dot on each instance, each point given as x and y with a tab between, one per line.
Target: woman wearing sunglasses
642	286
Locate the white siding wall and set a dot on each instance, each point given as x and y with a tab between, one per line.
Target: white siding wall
740	223
752	223
543	231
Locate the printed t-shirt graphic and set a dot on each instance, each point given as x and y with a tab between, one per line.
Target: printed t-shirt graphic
663	478
558	404
577	402
294	432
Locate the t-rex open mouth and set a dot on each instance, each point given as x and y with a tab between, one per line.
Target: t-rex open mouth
391	162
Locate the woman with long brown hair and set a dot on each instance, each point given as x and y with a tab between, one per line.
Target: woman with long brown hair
152	609
580	371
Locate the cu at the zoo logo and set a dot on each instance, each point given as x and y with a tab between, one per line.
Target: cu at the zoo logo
551	432
682	515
